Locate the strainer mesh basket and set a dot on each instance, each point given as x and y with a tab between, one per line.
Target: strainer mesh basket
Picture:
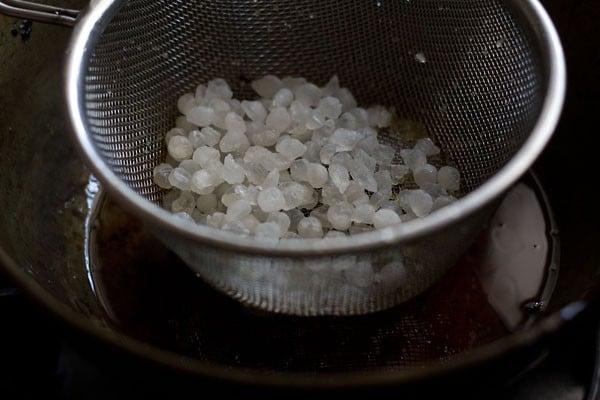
470	71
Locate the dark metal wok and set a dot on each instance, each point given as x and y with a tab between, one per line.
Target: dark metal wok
124	294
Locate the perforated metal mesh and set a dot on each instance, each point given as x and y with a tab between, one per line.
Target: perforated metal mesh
478	91
468	70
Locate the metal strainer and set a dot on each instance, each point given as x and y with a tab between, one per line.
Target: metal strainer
485	77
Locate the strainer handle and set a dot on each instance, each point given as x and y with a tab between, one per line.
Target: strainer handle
39	12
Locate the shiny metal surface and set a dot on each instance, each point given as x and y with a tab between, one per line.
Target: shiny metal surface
39	12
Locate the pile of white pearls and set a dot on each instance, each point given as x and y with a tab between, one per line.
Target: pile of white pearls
302	161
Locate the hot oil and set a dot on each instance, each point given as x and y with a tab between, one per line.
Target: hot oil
150	294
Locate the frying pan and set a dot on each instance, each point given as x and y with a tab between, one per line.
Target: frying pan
44	199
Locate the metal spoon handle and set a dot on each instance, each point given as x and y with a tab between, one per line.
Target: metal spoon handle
39	12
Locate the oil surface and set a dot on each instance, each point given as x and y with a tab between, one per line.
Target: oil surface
150	294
